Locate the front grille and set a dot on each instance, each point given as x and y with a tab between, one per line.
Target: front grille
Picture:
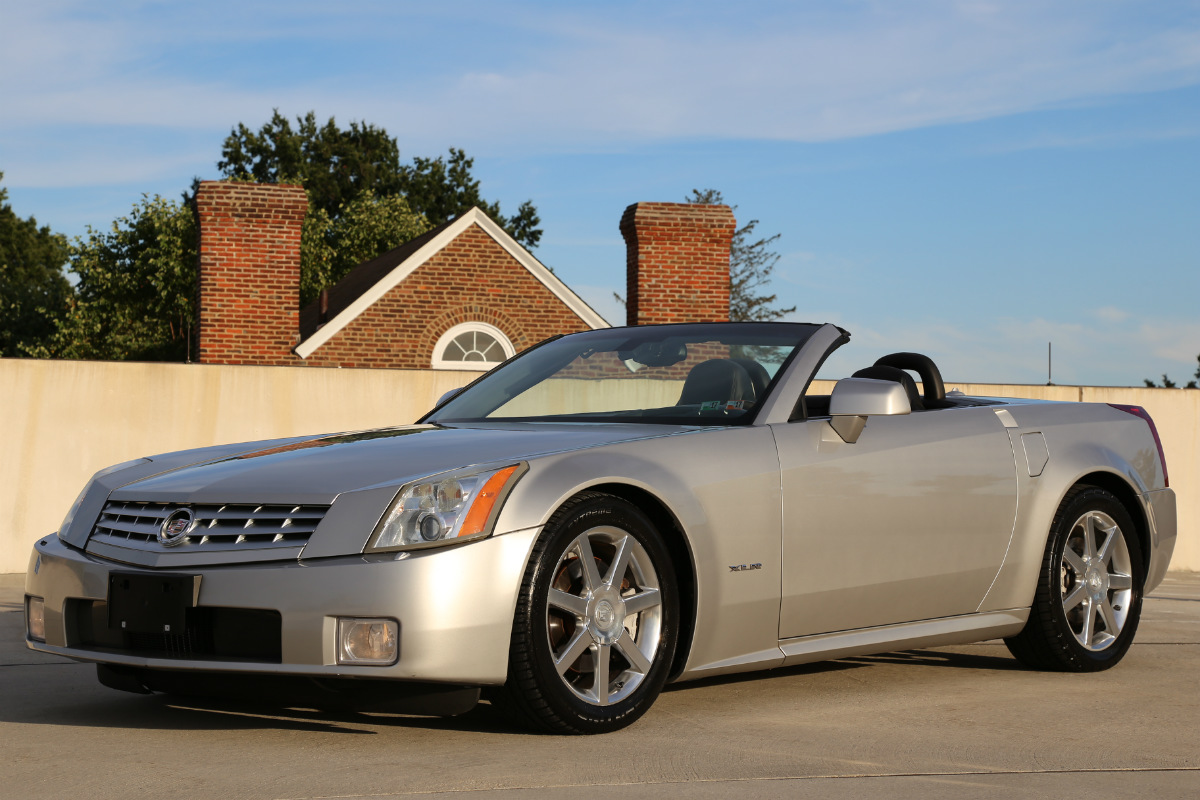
136	526
240	634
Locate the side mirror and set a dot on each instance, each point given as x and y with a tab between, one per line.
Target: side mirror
448	395
855	399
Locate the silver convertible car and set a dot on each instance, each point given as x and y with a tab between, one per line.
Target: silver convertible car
609	511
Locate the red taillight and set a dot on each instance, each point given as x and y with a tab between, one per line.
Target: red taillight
1138	411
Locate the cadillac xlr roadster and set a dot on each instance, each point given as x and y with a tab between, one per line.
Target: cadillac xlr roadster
609	511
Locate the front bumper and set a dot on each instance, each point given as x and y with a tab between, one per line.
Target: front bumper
454	604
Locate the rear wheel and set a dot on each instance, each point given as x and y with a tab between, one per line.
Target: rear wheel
597	620
1089	595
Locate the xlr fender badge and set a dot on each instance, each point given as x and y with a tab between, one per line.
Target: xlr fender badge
744	567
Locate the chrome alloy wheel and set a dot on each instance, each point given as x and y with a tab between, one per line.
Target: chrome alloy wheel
604	615
1096	580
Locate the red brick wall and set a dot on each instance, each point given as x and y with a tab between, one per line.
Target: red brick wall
249	292
677	262
472	279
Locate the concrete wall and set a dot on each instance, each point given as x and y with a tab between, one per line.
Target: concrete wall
67	419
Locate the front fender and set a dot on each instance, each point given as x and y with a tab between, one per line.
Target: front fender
728	518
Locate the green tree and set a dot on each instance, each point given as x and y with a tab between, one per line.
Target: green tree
751	262
442	190
137	283
1167	383
363	229
33	290
335	166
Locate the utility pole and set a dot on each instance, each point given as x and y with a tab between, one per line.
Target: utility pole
1049	363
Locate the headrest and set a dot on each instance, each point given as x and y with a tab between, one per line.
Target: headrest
931	376
716	379
895	375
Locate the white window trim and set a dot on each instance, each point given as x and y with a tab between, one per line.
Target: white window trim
475	366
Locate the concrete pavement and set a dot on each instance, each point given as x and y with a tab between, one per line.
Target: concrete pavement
959	722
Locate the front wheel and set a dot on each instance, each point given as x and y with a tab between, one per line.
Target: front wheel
1089	596
597	620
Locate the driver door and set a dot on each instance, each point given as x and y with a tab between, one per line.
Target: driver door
911	522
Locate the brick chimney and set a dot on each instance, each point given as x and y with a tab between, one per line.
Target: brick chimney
249	293
677	262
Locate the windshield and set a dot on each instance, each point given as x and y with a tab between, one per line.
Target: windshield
692	374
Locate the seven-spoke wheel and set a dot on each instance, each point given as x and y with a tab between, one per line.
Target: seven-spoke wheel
1096	580
596	621
1088	597
604	615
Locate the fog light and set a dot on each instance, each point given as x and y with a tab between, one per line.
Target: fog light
35	614
368	641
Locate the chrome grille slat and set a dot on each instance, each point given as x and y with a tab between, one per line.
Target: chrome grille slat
266	512
131	526
137	510
233	533
228	527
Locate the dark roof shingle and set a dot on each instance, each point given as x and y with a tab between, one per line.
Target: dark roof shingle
359	281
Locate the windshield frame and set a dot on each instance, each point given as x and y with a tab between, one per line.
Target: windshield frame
798	332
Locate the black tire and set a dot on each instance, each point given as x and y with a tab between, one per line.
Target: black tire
599	621
1058	635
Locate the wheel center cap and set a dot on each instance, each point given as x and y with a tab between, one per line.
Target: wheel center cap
606	619
604	615
1095	580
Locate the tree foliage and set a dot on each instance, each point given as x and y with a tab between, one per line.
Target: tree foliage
33	289
333	165
336	166
136	290
137	282
366	227
442	190
1167	383
751	262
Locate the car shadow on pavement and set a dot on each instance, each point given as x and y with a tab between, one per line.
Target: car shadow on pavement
118	710
928	658
215	712
939	658
814	668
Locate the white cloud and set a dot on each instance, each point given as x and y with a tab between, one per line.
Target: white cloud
1111	314
587	76
1177	341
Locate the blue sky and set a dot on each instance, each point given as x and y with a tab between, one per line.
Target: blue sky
968	179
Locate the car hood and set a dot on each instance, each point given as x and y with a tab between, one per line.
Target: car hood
318	469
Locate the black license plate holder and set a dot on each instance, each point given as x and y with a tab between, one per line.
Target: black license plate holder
140	602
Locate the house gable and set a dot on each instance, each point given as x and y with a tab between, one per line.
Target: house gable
471	251
390	312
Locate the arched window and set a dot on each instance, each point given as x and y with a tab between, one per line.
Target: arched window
472	345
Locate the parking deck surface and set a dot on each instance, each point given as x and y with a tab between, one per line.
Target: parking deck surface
959	722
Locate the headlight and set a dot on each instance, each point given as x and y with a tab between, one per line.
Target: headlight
455	506
66	525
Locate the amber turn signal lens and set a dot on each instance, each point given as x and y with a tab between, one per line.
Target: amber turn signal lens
481	509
